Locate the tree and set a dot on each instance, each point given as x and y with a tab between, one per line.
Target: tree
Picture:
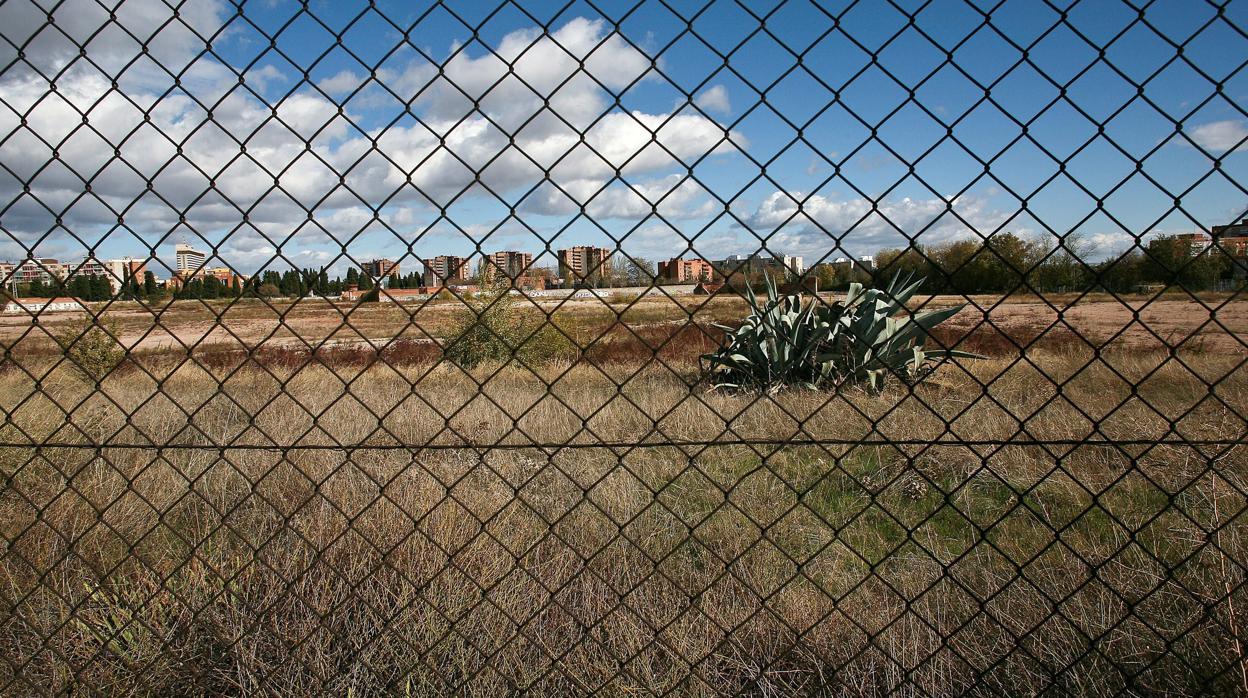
641	272
211	287
826	276
101	290
149	283
911	260
80	287
1168	260
1121	274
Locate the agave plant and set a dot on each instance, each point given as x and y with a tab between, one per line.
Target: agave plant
863	339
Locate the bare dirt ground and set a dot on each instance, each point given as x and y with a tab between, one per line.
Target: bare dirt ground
1215	324
1209	322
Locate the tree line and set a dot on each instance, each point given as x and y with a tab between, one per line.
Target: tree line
1006	262
94	288
1000	263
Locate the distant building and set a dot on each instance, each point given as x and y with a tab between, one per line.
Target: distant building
511	264
228	277
1232	239
755	263
189	259
44	269
583	264
1196	242
681	270
381	269
122	270
866	263
89	267
42	305
446	270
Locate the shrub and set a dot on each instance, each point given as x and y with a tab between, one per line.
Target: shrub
491	329
789	342
620	298
91	347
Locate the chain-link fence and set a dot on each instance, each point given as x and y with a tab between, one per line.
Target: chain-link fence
623	348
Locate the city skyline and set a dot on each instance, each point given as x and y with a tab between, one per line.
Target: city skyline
192	263
674	144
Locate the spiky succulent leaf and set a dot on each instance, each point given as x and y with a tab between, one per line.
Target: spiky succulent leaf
863	339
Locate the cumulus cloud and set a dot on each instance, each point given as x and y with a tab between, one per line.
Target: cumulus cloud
341	82
674	197
1219	137
274	163
714	99
795	224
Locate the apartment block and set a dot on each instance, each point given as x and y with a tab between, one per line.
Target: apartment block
446	270
1233	238
582	263
381	269
511	264
865	263
745	264
686	270
122	270
88	267
43	269
1196	242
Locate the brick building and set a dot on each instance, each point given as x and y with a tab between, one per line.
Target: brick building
583	264
446	270
511	264
686	270
381	269
1233	238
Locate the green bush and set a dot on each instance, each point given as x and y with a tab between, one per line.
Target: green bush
492	329
90	346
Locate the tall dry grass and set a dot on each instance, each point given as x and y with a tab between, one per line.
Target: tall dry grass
348	527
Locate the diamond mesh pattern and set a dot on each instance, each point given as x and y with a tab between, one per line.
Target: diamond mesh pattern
276	487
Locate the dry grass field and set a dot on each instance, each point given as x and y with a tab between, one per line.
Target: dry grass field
287	522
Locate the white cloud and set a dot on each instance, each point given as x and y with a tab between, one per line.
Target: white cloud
1219	137
341	82
554	89
858	226
714	99
674	197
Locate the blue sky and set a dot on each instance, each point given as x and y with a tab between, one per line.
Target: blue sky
626	125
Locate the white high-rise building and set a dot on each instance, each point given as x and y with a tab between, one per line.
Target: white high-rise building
189	259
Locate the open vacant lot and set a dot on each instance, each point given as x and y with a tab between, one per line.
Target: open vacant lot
1062	519
1138	322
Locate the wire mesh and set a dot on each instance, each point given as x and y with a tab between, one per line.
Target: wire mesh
364	379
